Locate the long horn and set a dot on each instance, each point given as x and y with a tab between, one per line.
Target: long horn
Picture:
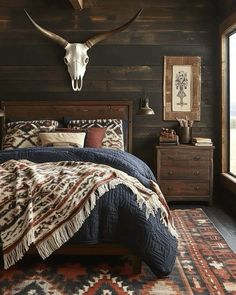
100	37
54	37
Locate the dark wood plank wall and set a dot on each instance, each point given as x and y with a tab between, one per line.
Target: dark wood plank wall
225	8
124	67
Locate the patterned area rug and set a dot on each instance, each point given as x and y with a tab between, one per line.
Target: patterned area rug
205	265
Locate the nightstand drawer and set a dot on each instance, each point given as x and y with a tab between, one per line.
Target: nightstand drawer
198	158
184	188
168	172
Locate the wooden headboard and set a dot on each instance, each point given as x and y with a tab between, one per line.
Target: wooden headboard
28	110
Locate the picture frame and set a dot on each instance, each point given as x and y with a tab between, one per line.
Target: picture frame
182	88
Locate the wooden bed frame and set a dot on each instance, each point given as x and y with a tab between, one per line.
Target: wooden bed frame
27	110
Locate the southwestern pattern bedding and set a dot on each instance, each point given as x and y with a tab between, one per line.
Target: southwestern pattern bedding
49	195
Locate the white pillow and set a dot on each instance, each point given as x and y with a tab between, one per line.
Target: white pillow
65	139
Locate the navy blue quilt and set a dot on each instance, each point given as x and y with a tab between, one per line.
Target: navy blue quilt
117	216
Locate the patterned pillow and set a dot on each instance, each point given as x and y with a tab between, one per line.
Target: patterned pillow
113	138
21	134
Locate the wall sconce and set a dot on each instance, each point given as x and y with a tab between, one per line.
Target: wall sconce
144	108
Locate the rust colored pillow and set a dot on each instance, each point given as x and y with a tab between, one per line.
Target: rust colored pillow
94	137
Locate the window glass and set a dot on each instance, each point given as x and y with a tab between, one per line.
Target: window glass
232	103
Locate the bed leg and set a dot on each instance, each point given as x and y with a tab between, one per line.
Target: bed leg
136	264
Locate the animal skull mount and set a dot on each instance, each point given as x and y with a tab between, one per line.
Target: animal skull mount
76	57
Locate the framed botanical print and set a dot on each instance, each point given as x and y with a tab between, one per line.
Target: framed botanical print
182	87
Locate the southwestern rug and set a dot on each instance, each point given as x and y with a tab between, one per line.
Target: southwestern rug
205	265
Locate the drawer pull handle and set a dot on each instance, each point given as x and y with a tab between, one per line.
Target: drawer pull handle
197	158
196	188
196	173
170	172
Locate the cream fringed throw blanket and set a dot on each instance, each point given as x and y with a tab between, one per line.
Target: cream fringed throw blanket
46	204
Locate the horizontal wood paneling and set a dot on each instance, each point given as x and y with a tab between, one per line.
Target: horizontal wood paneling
225	8
139	37
92	73
101	55
124	67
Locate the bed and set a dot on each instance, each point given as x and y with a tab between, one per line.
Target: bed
157	244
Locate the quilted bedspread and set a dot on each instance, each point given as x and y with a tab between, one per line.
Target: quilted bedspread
117	215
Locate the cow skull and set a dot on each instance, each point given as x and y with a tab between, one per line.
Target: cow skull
76	57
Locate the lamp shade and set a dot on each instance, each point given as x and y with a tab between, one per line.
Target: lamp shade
146	111
144	107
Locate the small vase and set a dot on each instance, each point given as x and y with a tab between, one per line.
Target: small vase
185	134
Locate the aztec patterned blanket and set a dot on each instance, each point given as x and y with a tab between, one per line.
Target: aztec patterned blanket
46	204
116	216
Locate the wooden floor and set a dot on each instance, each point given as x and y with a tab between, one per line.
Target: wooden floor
225	224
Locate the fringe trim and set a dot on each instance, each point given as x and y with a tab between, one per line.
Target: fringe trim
152	204
69	228
18	252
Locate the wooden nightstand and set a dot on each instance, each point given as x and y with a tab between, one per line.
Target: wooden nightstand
185	172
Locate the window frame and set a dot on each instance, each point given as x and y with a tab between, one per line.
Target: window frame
226	28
